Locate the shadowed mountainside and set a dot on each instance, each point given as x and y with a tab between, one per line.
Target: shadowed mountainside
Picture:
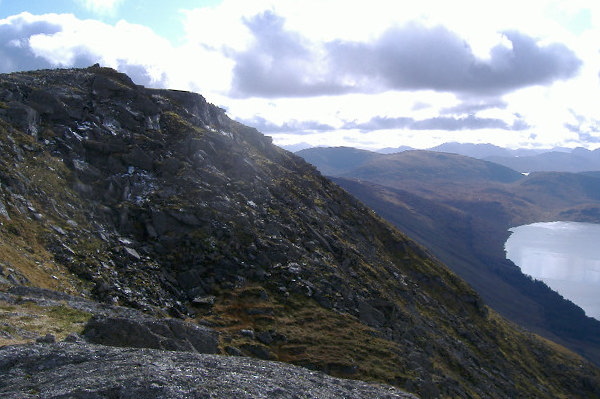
461	208
155	200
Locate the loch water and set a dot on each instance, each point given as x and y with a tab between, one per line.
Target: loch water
564	255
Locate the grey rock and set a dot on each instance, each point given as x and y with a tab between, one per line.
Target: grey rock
66	370
3	211
247	333
132	252
204	300
166	334
230	350
73	337
138	158
46	339
265	337
58	229
369	315
22	116
259	351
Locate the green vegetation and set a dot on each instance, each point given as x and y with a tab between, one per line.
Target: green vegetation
24	321
308	335
173	123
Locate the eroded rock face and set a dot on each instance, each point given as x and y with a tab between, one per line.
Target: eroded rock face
67	370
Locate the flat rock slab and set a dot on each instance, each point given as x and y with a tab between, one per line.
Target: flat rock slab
74	370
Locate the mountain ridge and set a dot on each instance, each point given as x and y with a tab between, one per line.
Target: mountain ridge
157	201
524	160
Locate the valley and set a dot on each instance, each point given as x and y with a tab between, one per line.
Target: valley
461	208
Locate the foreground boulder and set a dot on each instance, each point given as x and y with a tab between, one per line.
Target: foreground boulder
89	371
166	334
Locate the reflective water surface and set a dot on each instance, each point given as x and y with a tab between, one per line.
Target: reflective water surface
565	255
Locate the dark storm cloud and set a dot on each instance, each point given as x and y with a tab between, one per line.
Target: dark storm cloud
439	123
293	126
410	57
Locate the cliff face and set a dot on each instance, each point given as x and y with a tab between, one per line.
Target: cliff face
156	200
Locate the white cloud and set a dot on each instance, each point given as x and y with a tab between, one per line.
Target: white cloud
62	40
328	57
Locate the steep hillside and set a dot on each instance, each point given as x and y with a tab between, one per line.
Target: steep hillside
156	200
472	247
464	221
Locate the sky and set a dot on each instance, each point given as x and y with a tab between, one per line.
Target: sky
367	74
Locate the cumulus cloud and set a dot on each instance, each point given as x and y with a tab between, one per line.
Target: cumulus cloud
280	63
15	51
413	56
49	41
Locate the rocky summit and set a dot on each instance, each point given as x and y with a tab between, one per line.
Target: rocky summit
133	212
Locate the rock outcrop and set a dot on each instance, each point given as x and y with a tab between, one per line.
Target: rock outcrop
71	370
108	324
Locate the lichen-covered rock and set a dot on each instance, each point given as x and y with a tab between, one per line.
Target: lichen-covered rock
73	370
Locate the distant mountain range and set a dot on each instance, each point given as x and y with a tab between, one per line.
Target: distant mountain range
460	208
523	160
